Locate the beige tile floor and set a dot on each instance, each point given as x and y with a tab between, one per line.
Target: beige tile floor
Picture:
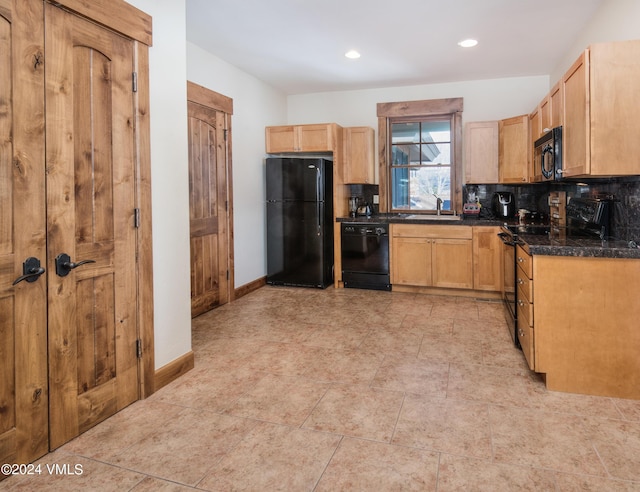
302	389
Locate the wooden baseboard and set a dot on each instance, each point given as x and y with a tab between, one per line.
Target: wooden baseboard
173	370
245	289
440	291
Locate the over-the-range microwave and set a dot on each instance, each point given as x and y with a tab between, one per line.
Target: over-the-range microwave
547	155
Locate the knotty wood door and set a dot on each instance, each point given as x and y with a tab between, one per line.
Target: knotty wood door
92	321
23	323
208	206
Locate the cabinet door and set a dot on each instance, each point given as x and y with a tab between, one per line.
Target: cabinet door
315	138
452	265
555	96
545	116
481	152
487	259
575	132
514	150
358	155
411	261
614	100
280	139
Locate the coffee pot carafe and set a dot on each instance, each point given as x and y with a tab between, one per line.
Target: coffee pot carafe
353	205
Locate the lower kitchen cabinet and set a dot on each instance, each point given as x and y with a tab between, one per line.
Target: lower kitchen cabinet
487	259
585	311
432	256
524	283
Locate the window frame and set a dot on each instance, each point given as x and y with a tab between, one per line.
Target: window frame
397	112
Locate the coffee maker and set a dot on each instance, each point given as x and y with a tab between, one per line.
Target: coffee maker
503	204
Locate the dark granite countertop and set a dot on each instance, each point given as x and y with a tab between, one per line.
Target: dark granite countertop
558	246
550	245
425	220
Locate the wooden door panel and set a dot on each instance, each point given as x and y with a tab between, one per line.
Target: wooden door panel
207	205
91	201
23	349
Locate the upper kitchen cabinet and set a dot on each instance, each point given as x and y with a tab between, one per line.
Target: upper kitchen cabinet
481	152
301	138
600	117
359	165
514	149
546	115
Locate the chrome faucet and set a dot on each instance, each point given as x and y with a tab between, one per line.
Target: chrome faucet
438	204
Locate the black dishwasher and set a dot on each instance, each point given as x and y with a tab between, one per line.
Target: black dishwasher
365	255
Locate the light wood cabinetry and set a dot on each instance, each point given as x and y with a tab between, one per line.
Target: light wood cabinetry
431	256
524	284
487	259
600	118
514	150
359	162
547	115
586	324
557	106
301	138
481	152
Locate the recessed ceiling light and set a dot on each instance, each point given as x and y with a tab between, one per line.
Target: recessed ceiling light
353	54
468	43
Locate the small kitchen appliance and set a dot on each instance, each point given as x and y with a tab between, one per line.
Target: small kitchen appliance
353	206
503	204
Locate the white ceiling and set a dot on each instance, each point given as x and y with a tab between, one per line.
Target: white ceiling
298	46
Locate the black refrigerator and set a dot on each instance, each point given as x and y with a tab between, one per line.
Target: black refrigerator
299	221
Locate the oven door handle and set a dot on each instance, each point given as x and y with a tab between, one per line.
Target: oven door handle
506	238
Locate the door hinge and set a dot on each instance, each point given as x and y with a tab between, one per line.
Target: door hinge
225	134
226	206
139	348
134	81
136	218
227	274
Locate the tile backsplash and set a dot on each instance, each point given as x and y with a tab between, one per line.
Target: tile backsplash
533	197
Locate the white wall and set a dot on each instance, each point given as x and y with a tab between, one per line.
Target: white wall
169	178
483	100
615	20
255	105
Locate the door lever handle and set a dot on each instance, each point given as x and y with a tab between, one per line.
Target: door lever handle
31	270
64	264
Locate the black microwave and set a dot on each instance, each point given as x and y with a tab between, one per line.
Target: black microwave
547	155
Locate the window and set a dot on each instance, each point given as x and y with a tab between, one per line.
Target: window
421	162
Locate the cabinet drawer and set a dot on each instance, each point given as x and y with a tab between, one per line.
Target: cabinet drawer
431	231
525	284
525	336
525	308
525	261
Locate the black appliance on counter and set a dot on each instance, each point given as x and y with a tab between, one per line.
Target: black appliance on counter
299	222
587	217
503	204
365	255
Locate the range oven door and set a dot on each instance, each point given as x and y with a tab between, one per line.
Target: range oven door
509	283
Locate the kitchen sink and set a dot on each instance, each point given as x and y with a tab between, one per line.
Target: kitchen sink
429	218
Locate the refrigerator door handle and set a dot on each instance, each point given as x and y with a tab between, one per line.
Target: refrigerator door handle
318	197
